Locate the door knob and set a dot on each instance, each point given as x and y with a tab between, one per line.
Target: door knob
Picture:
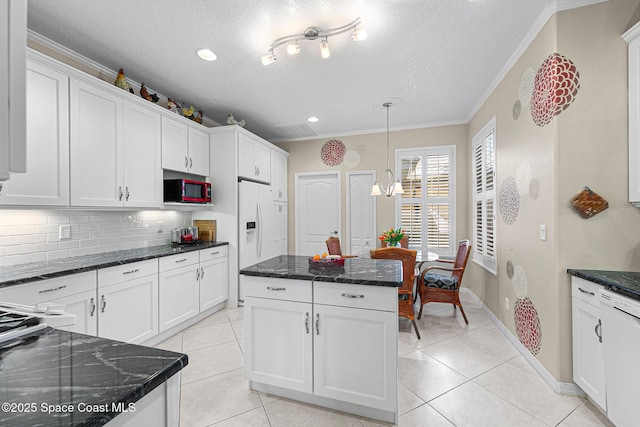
335	232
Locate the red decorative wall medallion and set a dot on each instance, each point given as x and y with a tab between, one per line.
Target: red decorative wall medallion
555	88
332	152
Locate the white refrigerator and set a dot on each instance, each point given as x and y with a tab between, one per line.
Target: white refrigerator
256	226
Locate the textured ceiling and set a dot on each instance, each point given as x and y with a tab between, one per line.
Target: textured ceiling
436	58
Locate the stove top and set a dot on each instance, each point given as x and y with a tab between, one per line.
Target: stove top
14	325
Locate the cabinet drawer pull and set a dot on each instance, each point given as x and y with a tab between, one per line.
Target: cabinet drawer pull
0	188
57	288
598	330
190	163
126	198
186	162
215	253
131	271
352	296
104	304
93	306
306	322
586	292
317	324
197	274
120	193
271	288
201	273
180	260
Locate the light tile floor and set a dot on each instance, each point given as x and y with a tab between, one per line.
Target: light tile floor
456	375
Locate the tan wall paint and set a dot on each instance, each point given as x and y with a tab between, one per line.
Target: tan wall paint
584	145
304	156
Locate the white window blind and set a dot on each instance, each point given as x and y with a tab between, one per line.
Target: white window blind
484	196
426	210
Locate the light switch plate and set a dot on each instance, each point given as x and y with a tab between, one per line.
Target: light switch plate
543	232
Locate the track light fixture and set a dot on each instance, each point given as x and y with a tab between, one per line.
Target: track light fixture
313	33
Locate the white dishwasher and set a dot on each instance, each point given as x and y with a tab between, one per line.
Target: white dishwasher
621	342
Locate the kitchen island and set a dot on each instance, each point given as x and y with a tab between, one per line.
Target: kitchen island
326	335
61	378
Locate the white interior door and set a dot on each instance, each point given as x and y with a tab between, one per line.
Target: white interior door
361	213
317	210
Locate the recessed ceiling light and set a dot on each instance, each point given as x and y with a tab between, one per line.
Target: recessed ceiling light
312	119
206	54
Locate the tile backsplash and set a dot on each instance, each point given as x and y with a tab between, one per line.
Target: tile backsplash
33	235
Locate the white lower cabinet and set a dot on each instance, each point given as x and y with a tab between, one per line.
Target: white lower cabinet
329	340
214	276
128	302
179	289
353	357
588	352
77	292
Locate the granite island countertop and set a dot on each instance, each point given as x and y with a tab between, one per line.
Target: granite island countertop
24	273
86	373
358	271
623	282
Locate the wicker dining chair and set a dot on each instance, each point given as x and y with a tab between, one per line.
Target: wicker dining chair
333	247
434	287
405	292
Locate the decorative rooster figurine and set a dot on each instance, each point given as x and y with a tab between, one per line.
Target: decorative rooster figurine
153	97
232	121
121	81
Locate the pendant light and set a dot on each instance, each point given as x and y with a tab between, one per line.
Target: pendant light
388	184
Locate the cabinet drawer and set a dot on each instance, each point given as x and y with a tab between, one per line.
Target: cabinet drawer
50	289
586	291
357	296
280	289
213	253
121	273
177	261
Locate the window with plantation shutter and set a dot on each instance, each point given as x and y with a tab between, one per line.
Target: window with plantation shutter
426	209
484	196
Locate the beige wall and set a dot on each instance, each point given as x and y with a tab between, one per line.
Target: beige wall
586	145
304	156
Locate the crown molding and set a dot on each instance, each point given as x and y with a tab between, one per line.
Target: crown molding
547	13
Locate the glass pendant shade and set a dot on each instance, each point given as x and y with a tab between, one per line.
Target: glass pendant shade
388	184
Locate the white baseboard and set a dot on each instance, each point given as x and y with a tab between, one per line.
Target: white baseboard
570	389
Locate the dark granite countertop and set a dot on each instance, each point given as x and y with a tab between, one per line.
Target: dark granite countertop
623	282
54	367
358	271
24	273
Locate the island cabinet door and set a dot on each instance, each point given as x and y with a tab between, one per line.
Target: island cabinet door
278	343
355	356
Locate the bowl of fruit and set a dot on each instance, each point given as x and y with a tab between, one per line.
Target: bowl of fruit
325	260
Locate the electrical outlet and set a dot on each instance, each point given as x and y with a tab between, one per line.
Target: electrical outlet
506	304
64	231
160	226
543	232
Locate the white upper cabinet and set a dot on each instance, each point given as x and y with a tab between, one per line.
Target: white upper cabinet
184	148
13	41
96	147
632	38
254	158
46	181
115	150
279	175
142	152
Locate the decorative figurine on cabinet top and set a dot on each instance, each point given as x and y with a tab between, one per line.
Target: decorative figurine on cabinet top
153	97
232	121
121	81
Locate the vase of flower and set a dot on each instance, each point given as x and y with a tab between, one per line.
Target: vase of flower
392	236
